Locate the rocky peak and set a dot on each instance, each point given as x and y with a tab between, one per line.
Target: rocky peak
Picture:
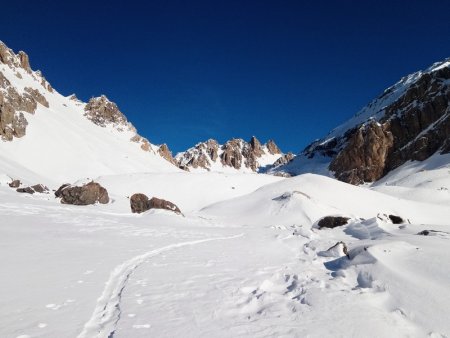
24	61
103	112
12	60
256	147
272	147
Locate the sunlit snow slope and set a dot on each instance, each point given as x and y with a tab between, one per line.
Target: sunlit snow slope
61	144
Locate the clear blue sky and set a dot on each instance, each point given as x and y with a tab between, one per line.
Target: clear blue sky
185	71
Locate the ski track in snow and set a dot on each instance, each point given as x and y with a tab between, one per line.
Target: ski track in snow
106	315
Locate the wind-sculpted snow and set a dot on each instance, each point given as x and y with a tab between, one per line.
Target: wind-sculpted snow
253	263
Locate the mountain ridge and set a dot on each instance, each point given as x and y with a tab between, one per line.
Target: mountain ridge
408	121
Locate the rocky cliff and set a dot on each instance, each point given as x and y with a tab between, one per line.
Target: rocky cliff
409	121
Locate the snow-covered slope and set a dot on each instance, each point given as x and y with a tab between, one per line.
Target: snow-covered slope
65	141
409	121
255	265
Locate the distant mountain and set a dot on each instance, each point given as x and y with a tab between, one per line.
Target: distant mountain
58	138
409	121
235	154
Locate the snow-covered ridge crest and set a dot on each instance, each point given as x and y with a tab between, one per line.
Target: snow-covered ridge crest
235	154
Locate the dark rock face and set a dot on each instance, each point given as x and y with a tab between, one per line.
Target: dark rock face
89	193
157	203
364	157
139	203
332	221
413	123
15	184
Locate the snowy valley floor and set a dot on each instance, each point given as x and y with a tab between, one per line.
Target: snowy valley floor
246	260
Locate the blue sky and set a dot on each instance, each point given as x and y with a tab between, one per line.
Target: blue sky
186	71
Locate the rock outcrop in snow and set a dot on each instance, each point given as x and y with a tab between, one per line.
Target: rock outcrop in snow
86	194
234	154
409	121
166	154
101	111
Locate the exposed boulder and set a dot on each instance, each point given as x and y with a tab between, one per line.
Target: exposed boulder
139	203
89	193
26	190
40	188
396	219
332	221
15	184
58	192
157	203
